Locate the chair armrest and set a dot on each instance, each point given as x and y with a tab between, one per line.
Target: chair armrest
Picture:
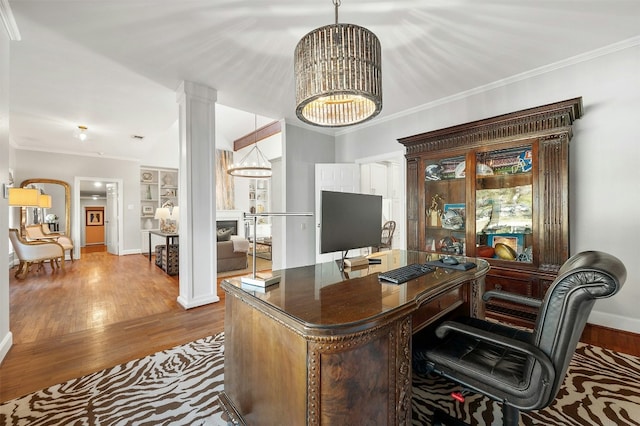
512	297
62	239
516	345
40	250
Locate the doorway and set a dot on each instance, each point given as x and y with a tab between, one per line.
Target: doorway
95	193
386	175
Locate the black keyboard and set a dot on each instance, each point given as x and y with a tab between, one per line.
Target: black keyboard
405	273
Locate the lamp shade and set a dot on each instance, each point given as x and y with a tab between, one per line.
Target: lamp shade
24	197
44	201
175	213
162	213
338	75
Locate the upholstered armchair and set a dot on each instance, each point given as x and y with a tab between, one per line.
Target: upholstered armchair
35	252
42	232
523	369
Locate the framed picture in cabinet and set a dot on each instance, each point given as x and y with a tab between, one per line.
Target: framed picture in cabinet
453	216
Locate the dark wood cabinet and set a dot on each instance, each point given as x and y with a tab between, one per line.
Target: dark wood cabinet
496	188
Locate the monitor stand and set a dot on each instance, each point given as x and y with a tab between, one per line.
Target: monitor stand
345	262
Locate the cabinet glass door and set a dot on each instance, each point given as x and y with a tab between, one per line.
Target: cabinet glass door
444	187
504	204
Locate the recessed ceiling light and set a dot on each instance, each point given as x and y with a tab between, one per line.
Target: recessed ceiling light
98	184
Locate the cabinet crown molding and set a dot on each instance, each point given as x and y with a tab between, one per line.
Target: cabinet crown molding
555	118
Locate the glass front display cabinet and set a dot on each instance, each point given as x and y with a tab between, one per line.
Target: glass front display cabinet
496	189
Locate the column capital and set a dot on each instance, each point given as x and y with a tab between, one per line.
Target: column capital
195	90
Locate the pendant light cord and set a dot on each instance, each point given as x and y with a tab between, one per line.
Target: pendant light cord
336	3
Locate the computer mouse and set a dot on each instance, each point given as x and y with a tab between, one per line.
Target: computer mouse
449	260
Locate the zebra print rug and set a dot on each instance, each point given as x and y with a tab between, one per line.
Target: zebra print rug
602	387
179	386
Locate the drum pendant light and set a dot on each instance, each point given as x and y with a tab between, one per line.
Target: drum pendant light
338	75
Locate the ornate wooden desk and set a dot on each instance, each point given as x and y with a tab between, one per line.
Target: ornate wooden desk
326	347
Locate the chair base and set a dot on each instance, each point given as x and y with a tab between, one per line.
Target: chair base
510	415
440	418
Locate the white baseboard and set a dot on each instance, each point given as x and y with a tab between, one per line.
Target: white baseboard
201	301
132	251
5	345
616	322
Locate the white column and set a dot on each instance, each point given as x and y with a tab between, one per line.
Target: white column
197	195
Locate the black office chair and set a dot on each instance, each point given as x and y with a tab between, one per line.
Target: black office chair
525	369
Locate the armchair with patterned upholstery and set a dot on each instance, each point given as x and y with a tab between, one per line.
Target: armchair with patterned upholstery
41	232
35	252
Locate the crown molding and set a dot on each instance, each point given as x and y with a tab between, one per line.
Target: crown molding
9	21
573	60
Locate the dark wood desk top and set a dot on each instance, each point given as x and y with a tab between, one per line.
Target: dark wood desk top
320	299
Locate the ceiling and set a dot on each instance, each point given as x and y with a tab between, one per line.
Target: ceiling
114	65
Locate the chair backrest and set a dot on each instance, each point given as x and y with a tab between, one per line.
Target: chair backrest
17	243
45	229
387	232
34	232
582	279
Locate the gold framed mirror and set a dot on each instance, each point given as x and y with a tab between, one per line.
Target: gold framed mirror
60	193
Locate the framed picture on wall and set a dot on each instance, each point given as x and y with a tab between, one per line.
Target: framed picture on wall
95	217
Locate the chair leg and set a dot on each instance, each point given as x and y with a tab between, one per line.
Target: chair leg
52	262
510	415
23	268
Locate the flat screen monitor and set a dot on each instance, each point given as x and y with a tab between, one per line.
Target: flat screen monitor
349	221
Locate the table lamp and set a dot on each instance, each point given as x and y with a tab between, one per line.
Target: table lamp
263	280
163	214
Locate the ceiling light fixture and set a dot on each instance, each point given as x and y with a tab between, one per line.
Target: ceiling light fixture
254	164
338	75
82	133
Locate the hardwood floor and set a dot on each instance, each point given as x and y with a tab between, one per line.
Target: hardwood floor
104	310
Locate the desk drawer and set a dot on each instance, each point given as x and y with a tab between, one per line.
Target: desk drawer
431	311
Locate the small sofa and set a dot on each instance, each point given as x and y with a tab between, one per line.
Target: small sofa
232	254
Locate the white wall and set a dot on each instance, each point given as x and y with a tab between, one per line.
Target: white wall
35	164
5	334
165	152
604	171
302	149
